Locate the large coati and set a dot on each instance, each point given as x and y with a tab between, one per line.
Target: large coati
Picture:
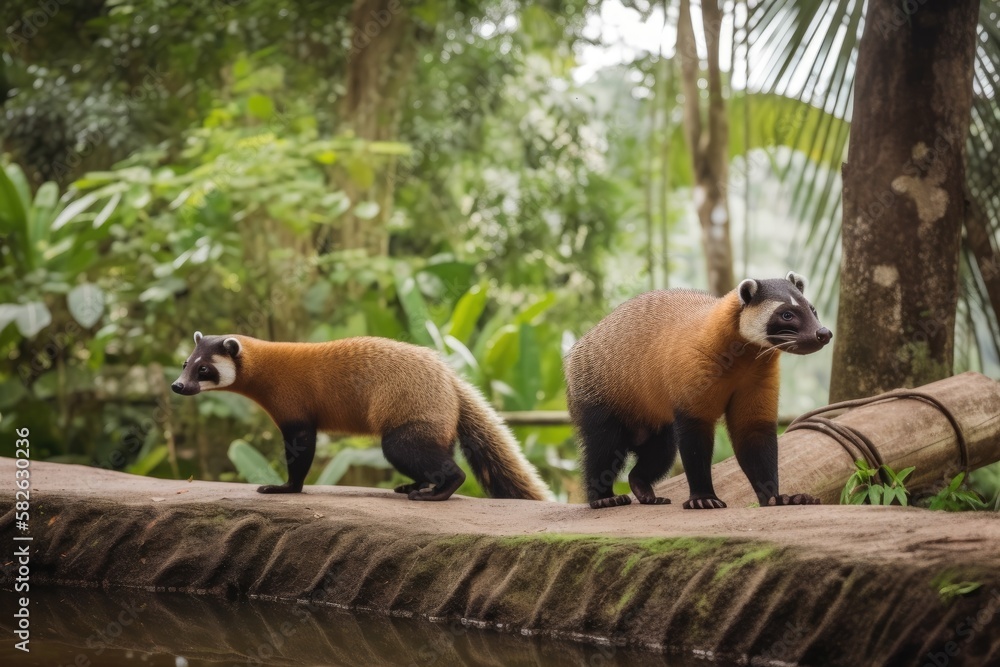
368	386
656	375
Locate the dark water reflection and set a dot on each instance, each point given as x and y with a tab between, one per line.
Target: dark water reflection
85	627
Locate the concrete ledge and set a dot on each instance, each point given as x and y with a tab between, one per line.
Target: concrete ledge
807	585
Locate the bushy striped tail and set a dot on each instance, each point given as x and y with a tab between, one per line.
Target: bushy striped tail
492	451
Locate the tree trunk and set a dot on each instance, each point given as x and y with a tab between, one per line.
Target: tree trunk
708	143
904	198
379	66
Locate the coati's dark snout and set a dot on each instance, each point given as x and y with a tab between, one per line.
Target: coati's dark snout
808	344
185	389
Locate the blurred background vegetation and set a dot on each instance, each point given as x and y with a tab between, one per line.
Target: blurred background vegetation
487	178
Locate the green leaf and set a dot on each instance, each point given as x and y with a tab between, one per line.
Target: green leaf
875	494
13	209
251	464
11	392
260	106
147	463
338	466
86	304
108	209
366	210
467	313
956	482
335	470
46	202
317	298
415	308
32	317
527	376
529	314
72	210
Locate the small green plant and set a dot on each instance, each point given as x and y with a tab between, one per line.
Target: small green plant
862	486
949	590
956	498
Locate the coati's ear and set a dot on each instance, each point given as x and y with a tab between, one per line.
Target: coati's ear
797	280
232	347
747	290
197	337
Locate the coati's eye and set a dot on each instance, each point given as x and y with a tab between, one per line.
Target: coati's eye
203	370
185	365
787	315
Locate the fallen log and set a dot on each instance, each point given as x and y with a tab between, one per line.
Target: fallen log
904	430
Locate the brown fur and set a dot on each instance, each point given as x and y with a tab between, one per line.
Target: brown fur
369	386
680	350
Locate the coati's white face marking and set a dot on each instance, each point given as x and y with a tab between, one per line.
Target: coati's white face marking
227	373
754	319
792	301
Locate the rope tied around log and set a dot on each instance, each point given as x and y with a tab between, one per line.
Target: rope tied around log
857	444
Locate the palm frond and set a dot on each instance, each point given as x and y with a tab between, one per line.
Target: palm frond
806	50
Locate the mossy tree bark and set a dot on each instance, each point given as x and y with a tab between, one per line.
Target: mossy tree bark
904	198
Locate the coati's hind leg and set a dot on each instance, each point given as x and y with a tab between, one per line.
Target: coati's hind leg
417	451
696	439
604	442
654	458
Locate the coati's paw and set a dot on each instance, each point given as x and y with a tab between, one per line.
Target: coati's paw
413	486
796	499
652	500
703	503
428	492
279	488
613	501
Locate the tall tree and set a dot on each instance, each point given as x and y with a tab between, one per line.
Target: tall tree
379	66
904	198
708	142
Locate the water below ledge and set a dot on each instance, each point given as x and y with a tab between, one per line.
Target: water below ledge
125	628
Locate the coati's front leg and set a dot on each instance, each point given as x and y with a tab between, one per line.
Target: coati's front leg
755	443
695	440
300	448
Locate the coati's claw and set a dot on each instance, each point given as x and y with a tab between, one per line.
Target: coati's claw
704	503
430	493
278	488
796	499
654	501
613	501
413	486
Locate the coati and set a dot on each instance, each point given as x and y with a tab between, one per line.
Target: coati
368	386
656	375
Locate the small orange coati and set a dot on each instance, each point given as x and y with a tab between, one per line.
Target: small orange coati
656	375
368	386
